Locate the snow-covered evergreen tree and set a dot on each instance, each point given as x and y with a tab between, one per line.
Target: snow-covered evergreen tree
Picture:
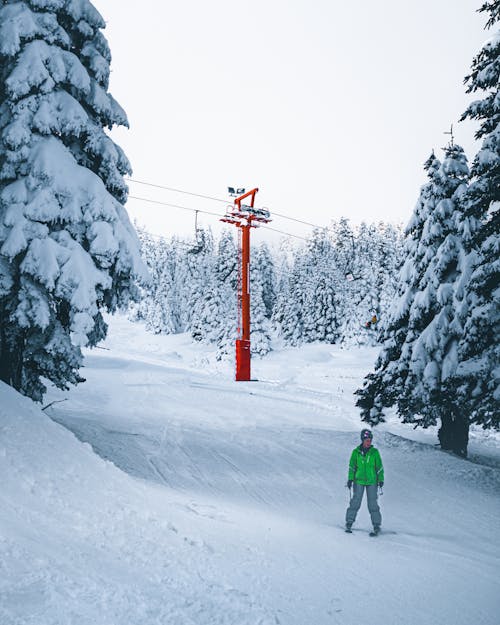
390	259
261	290
282	290
320	310
226	282
346	273
321	321
260	328
267	275
433	316
362	291
138	310
201	293
476	383
163	313
67	248
288	316
383	387
420	350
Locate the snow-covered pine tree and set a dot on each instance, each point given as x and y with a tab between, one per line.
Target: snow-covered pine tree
291	304
67	248
476	383
138	310
282	290
433	328
163	313
261	277
288	312
362	305
390	258
383	387
185	261
200	287
226	281
345	273
265	261
321	320
260	329
320	312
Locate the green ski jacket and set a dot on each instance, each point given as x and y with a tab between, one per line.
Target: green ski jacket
366	468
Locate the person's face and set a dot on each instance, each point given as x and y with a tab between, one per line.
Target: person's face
367	443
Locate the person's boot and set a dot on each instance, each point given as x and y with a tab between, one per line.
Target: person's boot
376	530
348	528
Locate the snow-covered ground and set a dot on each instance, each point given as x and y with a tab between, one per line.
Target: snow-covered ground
187	498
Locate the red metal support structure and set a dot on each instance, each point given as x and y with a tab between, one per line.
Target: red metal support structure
243	217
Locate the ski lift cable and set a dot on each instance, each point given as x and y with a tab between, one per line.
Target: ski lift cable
194	210
299	221
186	245
160	186
186	208
216	199
288	234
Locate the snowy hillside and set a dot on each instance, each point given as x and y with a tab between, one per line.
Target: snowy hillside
188	499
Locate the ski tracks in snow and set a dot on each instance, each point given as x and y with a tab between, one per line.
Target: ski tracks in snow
260	468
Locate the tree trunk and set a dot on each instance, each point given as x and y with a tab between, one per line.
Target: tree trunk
4	357
454	434
11	359
445	433
461	436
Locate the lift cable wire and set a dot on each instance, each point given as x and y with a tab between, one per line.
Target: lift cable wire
299	221
296	236
159	186
186	208
194	210
216	199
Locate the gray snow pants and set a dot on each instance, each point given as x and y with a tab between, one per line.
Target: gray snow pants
355	503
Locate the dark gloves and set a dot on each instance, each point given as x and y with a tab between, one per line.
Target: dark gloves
349	483
380	484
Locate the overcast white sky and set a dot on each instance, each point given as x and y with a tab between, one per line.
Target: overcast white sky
330	107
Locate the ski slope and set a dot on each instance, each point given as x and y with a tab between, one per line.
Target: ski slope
162	492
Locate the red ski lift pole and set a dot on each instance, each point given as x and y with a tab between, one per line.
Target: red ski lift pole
242	216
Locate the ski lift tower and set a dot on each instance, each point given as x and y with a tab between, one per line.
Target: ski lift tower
244	217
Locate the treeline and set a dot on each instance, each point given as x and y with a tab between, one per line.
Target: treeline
335	288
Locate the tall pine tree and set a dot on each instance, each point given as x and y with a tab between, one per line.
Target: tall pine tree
226	274
67	248
433	326
476	384
383	387
261	300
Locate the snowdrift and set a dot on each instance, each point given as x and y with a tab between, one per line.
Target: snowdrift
81	542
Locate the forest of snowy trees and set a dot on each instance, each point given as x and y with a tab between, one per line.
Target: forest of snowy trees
432	300
68	251
336	288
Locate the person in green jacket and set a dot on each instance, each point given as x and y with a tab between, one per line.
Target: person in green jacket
366	472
